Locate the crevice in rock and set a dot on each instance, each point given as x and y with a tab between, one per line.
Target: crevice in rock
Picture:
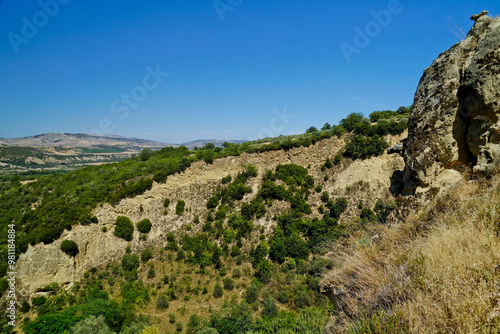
468	103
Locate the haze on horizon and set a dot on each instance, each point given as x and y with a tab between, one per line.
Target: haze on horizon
180	71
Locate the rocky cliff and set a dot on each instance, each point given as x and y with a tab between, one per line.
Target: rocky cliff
454	124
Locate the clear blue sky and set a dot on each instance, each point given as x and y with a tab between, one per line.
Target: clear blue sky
227	78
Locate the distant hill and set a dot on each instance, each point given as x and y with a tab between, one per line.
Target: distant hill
72	150
82	140
218	143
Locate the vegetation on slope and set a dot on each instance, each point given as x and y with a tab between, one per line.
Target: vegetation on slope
286	258
436	273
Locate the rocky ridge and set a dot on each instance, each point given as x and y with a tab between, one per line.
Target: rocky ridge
454	126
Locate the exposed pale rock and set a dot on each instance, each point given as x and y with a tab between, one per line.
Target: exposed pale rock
455	115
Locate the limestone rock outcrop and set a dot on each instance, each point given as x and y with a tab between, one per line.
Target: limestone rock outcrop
455	119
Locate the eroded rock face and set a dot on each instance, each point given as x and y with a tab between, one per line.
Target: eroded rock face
455	115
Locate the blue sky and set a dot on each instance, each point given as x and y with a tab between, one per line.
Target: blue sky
235	67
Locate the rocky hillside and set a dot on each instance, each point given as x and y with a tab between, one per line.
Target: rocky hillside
454	124
364	181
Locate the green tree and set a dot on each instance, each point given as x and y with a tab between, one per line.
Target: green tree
145	154
162	302
312	129
228	283
217	291
69	247
124	228
146	255
130	262
252	293
92	325
303	300
269	308
144	226
179	208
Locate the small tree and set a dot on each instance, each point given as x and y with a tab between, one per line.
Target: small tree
162	302
179	208
303	300
217	291
228	283
69	247
145	154
166	203
92	325
252	294
146	255
312	129
269	308
124	228
144	226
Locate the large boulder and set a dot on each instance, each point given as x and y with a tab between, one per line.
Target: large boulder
455	119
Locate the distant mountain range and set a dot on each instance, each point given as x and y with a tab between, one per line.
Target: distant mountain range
86	140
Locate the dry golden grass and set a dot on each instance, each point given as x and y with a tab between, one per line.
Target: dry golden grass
438	271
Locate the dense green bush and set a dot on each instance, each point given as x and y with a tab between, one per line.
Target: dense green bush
146	255
228	283
92	325
69	247
363	148
130	262
162	302
124	228
166	203
144	226
269	308
217	291
180	207
303	300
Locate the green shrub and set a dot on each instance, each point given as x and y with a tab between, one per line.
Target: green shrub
92	325
166	203
179	326
213	202
37	301
282	296
228	283
226	179
252	293
180	207
269	308
124	228
171	318
303	300
368	216
162	302
328	163
69	247
236	273
130	262
25	306
146	255
217	291
337	159
363	148
144	226
325	197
